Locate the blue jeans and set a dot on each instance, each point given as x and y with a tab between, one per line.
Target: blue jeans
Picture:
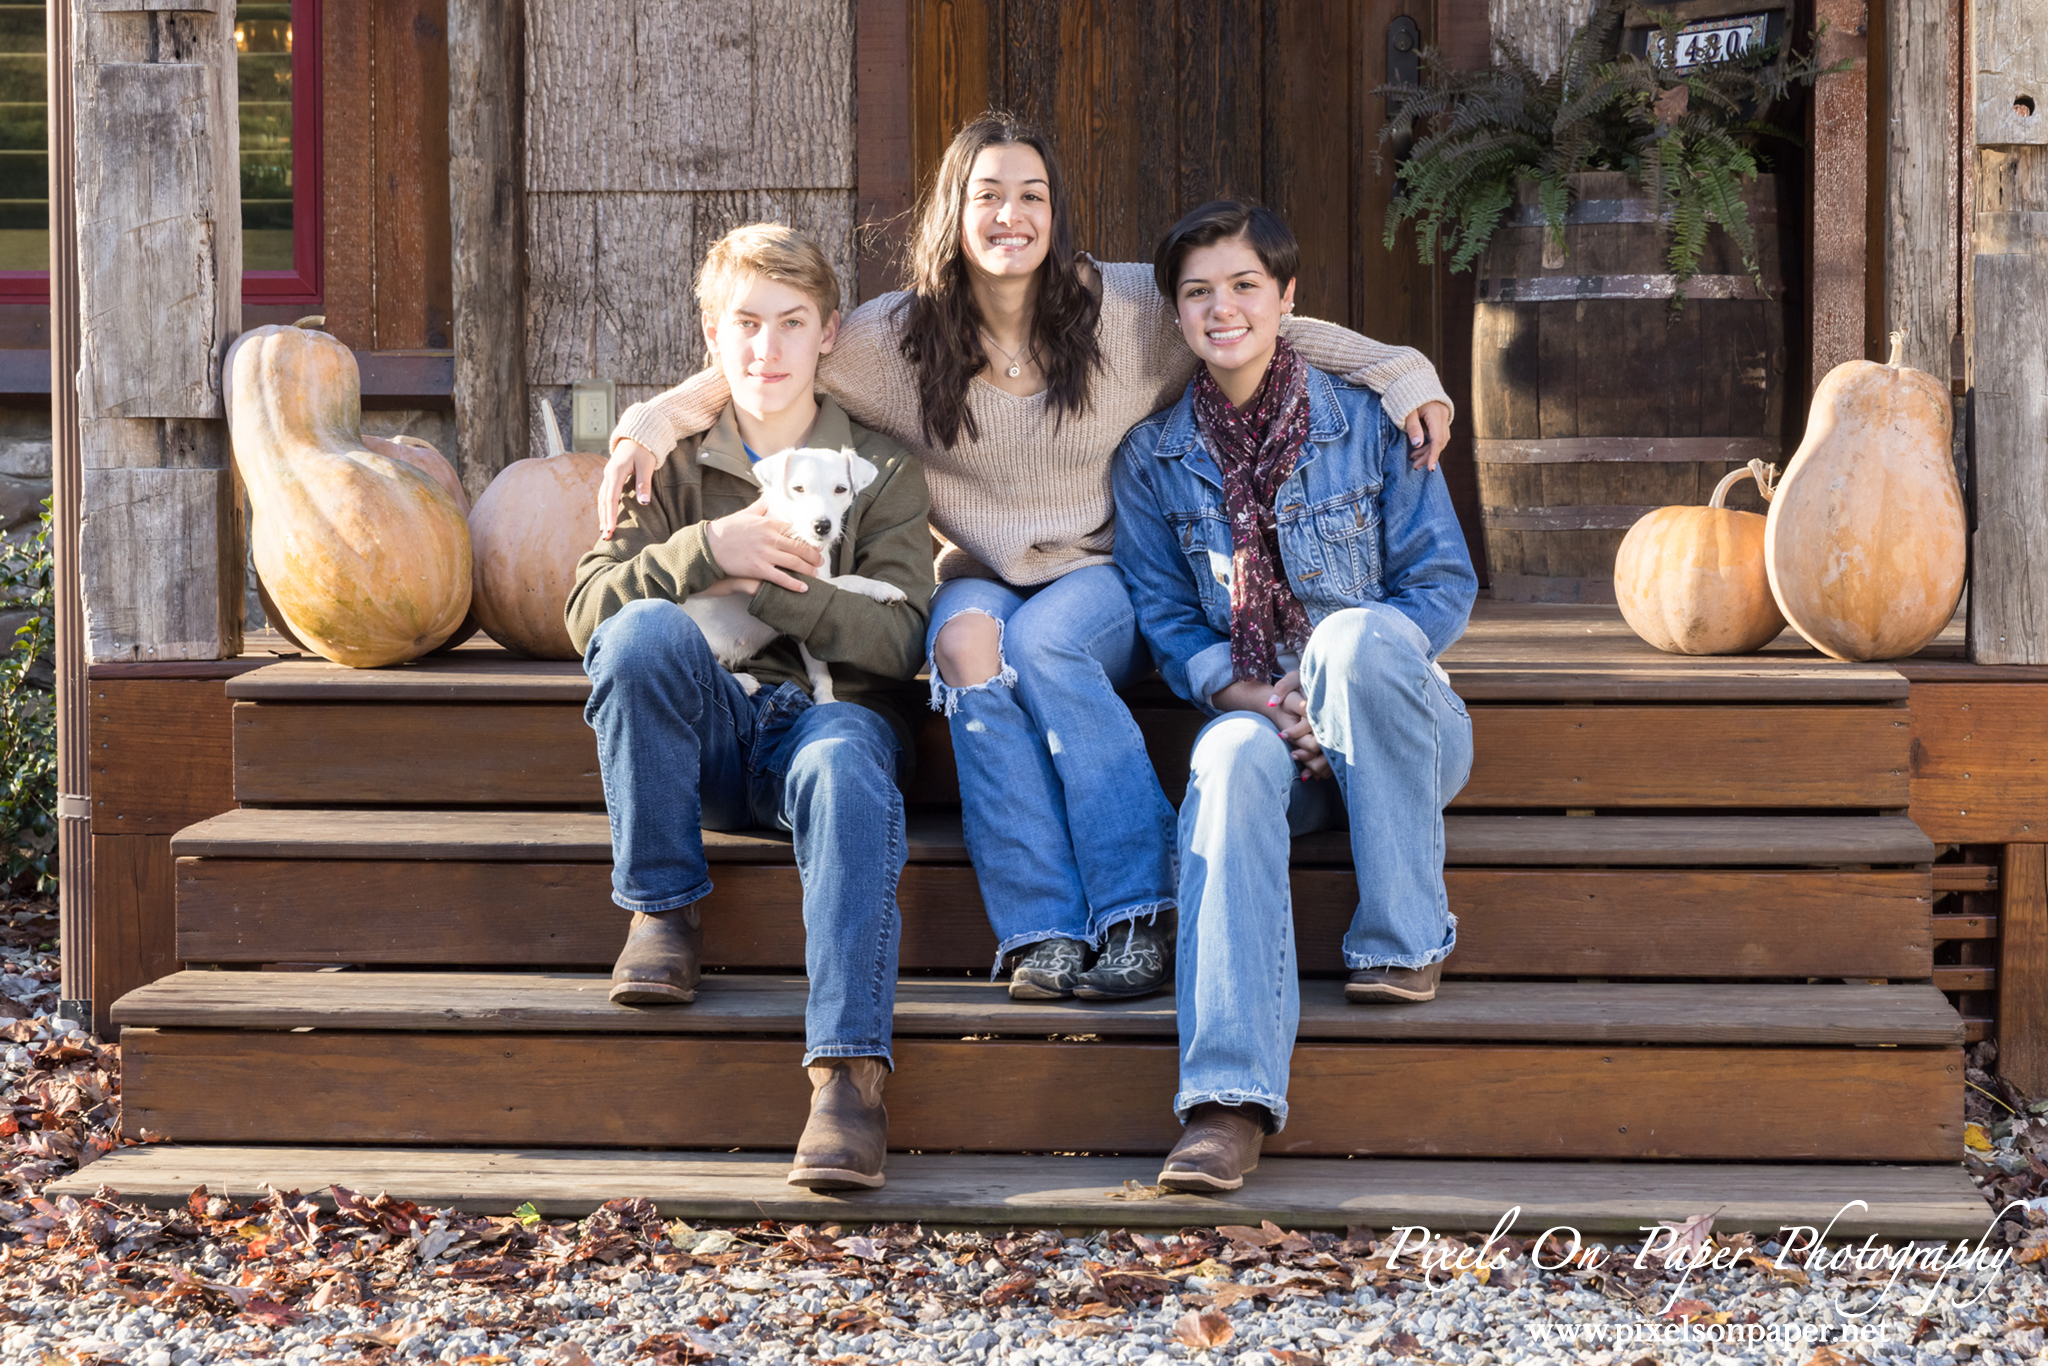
684	749
1066	823
1400	747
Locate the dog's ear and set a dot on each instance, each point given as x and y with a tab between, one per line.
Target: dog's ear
771	470
861	471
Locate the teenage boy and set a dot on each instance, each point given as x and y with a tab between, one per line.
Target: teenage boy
682	745
1296	578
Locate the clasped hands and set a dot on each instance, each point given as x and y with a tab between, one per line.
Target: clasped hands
753	548
1288	708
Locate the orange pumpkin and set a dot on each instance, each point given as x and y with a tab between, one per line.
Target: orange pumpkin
1691	580
1866	542
529	529
365	557
423	456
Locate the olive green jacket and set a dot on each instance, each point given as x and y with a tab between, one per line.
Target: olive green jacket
659	550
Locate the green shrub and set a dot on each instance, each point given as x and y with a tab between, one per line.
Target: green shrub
28	718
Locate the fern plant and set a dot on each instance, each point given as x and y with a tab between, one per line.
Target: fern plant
1690	138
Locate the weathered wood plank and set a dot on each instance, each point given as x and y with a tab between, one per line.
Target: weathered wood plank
2023	968
1457	1100
1660	923
611	105
2011	52
2009	411
161	562
162	755
159	230
734	1003
1980	762
348	176
1472	841
487	226
1083	1192
1919	205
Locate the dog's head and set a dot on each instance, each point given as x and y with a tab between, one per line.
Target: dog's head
811	489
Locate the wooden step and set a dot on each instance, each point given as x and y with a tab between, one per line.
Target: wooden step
523	754
1907	1015
1489	1070
1469	841
1006	1095
1596	1198
506	888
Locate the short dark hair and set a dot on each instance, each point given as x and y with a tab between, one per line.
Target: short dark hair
1220	219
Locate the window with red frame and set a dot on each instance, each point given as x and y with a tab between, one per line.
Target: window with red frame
277	59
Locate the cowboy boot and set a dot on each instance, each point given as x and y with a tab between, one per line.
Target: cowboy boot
848	1133
1219	1145
658	966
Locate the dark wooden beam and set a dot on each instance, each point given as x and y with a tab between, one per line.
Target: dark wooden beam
2023	969
886	185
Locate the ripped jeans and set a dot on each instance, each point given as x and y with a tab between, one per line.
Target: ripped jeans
1400	747
1066	823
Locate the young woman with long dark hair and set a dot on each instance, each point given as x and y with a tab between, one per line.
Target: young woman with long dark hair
1012	368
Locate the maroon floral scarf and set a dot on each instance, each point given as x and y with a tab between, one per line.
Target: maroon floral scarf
1257	445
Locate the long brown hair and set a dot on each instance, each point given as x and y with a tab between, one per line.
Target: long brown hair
942	340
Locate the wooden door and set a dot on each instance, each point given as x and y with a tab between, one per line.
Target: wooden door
1156	106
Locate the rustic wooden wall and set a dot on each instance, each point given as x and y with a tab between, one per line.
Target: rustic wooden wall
388	282
159	247
651	130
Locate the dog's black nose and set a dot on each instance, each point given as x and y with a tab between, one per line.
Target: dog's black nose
823	526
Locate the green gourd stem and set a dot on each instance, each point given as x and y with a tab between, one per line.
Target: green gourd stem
1765	476
1898	356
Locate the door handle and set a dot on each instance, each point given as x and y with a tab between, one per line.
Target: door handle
1404	67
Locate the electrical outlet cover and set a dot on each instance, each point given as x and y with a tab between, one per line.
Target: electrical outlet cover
593	412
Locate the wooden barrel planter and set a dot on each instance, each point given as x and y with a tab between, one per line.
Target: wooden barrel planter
1593	403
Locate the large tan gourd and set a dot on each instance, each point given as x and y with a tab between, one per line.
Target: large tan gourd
427	459
1866	539
529	529
1690	580
365	557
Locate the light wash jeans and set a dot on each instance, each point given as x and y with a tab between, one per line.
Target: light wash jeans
684	749
1400	747
1066	823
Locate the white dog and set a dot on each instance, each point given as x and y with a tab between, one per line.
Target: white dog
810	489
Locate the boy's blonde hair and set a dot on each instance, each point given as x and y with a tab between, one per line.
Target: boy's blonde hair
775	250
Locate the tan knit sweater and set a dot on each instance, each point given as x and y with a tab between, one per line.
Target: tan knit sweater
1030	500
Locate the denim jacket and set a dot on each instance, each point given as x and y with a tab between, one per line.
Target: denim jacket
1357	525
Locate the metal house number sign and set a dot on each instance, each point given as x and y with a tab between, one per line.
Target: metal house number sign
1718	40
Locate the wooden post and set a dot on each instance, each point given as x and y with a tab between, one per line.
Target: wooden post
1919	216
487	212
159	242
1836	245
74	762
2009	346
2023	968
1538	29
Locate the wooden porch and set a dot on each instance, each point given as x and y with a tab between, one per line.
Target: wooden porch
1711	911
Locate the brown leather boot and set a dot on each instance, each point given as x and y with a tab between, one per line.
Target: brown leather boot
848	1133
658	966
1219	1145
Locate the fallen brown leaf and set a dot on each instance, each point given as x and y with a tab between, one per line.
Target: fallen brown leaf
674	1349
1016	1287
1403	1344
1091	1310
1085	1328
1827	1356
1203	1328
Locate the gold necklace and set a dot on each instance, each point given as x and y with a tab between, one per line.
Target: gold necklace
1015	368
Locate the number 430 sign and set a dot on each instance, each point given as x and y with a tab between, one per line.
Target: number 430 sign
1717	40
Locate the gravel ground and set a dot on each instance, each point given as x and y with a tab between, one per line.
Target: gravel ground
373	1279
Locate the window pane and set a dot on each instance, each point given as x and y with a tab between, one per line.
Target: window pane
24	141
263	60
